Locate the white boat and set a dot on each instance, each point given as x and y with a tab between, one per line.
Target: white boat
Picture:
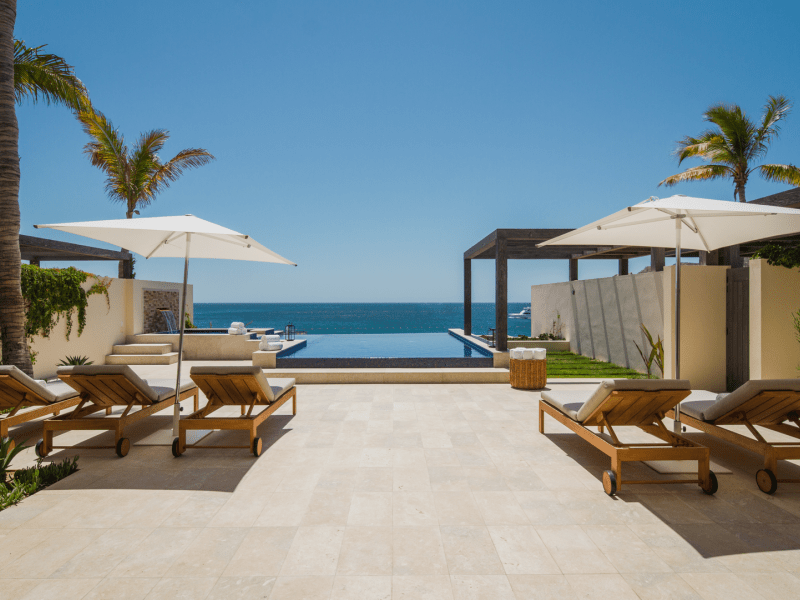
525	313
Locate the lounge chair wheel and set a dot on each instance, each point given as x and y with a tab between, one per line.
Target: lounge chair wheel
610	482
713	484
40	449
176	447
257	445
766	480
123	447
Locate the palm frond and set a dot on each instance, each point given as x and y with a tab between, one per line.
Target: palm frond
107	151
191	158
144	163
707	145
776	109
701	173
47	77
781	174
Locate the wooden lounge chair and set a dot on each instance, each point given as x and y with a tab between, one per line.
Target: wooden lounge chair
102	387
29	399
770	403
246	387
623	402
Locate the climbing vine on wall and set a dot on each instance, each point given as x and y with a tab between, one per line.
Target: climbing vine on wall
54	293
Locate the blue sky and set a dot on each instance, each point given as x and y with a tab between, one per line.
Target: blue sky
374	142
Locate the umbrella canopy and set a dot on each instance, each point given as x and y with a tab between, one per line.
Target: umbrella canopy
186	236
705	224
162	237
684	222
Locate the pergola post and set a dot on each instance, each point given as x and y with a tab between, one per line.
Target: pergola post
467	296
709	258
573	269
35	261
501	294
623	266
656	259
732	258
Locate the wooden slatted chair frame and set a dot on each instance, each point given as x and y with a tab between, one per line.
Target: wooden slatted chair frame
232	389
104	392
645	410
26	404
777	410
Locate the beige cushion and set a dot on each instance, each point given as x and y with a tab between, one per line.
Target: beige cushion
272	389
579	405
165	388
51	392
123	370
708	406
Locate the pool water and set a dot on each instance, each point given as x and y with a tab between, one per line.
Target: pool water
386	345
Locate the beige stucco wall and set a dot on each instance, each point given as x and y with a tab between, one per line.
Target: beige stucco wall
703	352
601	317
107	324
774	296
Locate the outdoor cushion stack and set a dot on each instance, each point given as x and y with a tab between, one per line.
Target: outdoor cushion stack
529	353
270	343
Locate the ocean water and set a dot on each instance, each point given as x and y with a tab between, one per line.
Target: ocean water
332	318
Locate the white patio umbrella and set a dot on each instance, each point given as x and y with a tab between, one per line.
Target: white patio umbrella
154	237
684	222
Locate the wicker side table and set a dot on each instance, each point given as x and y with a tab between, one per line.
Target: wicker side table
528	374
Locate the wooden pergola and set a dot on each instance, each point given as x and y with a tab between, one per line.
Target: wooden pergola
503	245
36	250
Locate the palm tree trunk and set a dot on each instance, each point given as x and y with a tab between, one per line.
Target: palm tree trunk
12	305
126	266
740	192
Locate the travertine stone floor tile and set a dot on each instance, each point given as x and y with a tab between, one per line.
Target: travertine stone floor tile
418	551
441	457
100	557
241	510
242	588
285	509
153	556
262	552
377	457
660	586
521	551
19	588
362	588
371	509
374	479
17	542
773	586
411	480
314	551
448	479
685	559
500	508
47	557
470	550
302	588
328	508
126	588
413	509
366	551
485	479
481	587
209	553
197	510
541	587
182	588
457	508
63	589
721	586
601	587
543	508
421	587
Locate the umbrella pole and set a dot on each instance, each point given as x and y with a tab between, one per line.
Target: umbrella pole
177	410
677	342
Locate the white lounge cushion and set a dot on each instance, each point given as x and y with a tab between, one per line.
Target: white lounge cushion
539	354
579	405
517	353
708	406
51	392
165	388
124	370
269	387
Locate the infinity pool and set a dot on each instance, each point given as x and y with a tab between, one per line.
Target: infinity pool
386	345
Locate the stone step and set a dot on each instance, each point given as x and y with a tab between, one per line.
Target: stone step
142	359
142	349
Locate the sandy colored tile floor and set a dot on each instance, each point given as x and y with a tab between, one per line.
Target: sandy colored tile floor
389	492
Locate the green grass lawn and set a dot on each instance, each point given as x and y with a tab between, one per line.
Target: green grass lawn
567	364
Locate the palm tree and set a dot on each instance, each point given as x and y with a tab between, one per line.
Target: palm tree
733	145
24	73
137	175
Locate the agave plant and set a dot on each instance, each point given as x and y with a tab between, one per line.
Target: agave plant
656	351
71	361
8	450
